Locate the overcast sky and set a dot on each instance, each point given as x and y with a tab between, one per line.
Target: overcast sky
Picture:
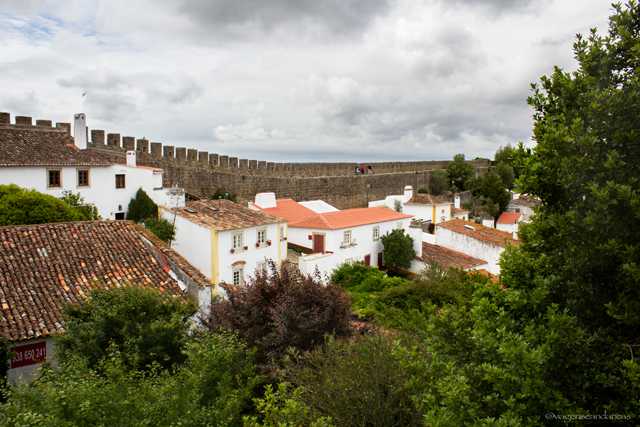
292	80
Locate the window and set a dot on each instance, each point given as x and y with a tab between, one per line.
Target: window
120	181
83	177
237	241
237	276
55	178
262	236
399	226
261	266
376	233
347	238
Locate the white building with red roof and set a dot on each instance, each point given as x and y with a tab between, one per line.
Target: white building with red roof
509	222
49	160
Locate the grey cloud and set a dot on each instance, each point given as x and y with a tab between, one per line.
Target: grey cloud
175	88
20	102
497	7
328	17
110	107
100	78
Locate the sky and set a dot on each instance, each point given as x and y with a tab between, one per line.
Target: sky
293	80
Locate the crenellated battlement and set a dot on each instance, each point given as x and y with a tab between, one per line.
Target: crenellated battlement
201	172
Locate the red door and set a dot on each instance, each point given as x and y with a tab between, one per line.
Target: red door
318	243
380	260
367	260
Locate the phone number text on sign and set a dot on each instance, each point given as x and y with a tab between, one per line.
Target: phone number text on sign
29	354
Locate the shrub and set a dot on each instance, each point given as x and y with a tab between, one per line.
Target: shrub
21	206
146	325
281	308
423	191
161	227
355	382
87	212
141	207
398	249
221	193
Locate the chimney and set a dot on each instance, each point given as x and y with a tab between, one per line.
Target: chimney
266	200
80	130
515	235
176	197
131	158
408	193
456	202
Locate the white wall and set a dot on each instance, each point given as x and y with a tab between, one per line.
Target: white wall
28	372
425	212
101	192
319	206
509	228
470	246
192	241
325	263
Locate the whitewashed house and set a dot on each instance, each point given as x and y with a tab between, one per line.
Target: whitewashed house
457	212
509	222
446	258
524	205
390	201
475	240
427	208
50	161
44	266
225	240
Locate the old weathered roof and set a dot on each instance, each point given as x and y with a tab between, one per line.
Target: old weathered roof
480	232
229	215
20	147
447	257
426	199
289	209
456	211
45	266
525	201
350	218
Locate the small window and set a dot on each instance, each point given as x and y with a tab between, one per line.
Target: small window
55	178
261	266
120	181
262	236
399	226
347	238
237	276
376	233
237	241
83	178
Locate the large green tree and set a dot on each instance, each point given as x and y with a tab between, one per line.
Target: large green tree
558	341
142	207
21	206
460	172
439	181
398	249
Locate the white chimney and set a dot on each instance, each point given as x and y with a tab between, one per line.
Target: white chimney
408	193
80	130
515	235
131	158
456	202
176	197
266	200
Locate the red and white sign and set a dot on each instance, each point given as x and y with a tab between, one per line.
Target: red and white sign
29	354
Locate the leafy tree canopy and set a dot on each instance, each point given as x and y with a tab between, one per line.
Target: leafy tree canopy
145	325
141	207
398	249
21	206
460	172
439	181
507	174
161	227
489	186
505	154
76	201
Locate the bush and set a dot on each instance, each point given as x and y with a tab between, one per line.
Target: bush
87	212
147	326
161	227
355	382
423	191
221	193
398	249
21	206
142	207
213	387
280	308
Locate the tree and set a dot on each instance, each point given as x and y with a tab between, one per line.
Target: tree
398	249
141	207
145	325
460	172
76	201
281	308
439	181
490	187
161	227
21	206
506	174
505	154
221	193
397	205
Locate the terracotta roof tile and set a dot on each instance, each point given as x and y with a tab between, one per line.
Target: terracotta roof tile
456	211
45	266
289	209
525	201
19	147
480	232
426	199
229	216
447	257
509	217
350	218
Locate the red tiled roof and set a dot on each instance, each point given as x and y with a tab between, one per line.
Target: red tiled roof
509	217
19	147
44	266
480	232
426	199
230	216
492	277
289	209
456	211
350	218
447	257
